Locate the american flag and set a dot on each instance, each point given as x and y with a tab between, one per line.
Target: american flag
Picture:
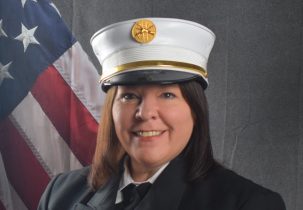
50	101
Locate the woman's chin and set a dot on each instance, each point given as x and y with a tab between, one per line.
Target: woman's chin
149	163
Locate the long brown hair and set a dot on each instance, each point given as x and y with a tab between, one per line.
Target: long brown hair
108	149
198	152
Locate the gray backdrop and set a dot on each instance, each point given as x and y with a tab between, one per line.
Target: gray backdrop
255	72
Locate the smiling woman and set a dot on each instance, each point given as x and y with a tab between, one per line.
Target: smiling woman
153	148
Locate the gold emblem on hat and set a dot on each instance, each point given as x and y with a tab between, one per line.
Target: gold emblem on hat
144	31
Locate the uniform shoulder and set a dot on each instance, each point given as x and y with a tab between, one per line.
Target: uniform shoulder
223	186
65	190
232	181
73	176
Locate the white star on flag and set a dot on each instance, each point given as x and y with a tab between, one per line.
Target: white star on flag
4	72
27	36
2	32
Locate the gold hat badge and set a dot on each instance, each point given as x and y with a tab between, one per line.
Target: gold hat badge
144	31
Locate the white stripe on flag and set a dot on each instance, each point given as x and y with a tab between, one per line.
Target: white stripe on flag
8	195
43	139
78	71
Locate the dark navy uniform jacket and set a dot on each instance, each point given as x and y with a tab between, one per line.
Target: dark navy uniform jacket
221	189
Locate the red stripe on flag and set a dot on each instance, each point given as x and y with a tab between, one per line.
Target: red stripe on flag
70	117
24	171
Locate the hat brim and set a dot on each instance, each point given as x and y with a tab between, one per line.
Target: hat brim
145	77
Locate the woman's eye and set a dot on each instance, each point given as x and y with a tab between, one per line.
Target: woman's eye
168	95
128	97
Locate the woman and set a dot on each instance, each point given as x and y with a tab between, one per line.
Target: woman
153	149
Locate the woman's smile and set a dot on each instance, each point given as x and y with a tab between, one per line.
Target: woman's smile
148	133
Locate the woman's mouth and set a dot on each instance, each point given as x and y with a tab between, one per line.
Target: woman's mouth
148	133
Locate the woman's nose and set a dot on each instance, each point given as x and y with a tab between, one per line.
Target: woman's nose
147	109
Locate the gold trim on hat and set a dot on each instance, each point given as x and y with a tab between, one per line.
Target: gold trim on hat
144	31
161	63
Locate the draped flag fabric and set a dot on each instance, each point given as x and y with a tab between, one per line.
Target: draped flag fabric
50	101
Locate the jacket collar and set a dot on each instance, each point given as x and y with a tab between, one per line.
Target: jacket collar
165	193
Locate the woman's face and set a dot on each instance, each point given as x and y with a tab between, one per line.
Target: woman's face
153	123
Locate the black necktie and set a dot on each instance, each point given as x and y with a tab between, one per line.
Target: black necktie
133	194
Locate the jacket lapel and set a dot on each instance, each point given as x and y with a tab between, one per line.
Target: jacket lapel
81	205
104	198
168	189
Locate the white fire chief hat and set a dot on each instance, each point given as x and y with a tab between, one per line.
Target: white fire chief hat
153	51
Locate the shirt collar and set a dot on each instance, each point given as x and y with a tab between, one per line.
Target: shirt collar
126	179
